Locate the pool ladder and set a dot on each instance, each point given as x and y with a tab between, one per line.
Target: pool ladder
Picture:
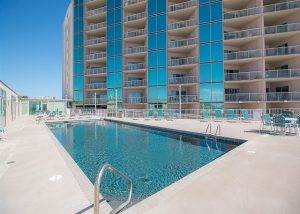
208	134
97	189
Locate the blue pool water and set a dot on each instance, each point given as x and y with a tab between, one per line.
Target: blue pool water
152	159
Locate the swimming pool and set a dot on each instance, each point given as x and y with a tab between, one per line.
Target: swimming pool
153	159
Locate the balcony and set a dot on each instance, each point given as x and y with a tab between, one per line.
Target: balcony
95	71
95	12
91	1
134	50
283	96
238	55
134	67
183	80
281	6
95	56
242	34
284	73
244	97
135	33
184	99
99	101
95	86
182	25
135	100
135	83
95	42
281	51
183	61
244	76
127	3
181	44
242	13
282	28
135	17
95	27
182	6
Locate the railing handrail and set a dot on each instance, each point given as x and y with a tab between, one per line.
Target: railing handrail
135	100
129	83
134	50
135	33
278	28
243	33
182	24
183	61
183	42
279	73
95	85
239	75
131	2
95	11
243	54
95	55
242	13
184	79
182	5
97	188
135	17
135	66
282	50
276	7
95	26
91	71
95	41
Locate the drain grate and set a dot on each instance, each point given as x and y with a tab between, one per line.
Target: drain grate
10	162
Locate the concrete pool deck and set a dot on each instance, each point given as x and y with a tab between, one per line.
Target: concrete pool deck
260	176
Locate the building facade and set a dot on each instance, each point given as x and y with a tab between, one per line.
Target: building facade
156	54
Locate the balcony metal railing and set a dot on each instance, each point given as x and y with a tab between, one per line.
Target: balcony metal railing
88	1
182	24
283	73
135	100
91	101
135	83
242	13
283	96
131	67
95	41
131	2
182	5
135	50
135	17
183	80
244	97
242	34
282	28
95	26
183	61
183	42
95	71
135	33
95	56
282	6
253	75
99	85
184	99
95	12
243	54
283	51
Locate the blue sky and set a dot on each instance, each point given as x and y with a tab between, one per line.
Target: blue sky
31	45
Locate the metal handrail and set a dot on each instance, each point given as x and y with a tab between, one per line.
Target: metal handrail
208	126
97	189
218	130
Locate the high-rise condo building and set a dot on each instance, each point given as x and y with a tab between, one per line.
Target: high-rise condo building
147	54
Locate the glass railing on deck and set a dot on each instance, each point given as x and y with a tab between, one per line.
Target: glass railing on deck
183	80
283	51
242	34
243	54
182	24
283	96
137	66
282	28
135	50
182	5
96	85
184	99
131	2
95	41
91	101
182	43
95	11
134	33
135	17
95	26
253	75
95	71
135	83
135	100
283	73
95	56
183	61
244	97
242	13
282	6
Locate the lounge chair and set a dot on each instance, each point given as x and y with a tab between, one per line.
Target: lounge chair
156	116
280	123
2	133
297	125
219	116
245	116
167	116
266	121
147	115
205	116
232	116
39	118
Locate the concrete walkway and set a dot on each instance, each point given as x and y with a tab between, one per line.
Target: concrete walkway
36	175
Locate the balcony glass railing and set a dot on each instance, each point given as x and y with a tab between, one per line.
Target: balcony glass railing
183	80
244	97
88	1
135	50
182	5
91	101
95	56
284	73
101	85
283	51
182	24
135	33
253	75
135	83
135	17
135	100
242	34
183	61
95	26
184	99
282	28
282	6
183	43
95	41
283	96
131	67
243	55
131	2
242	13
95	11
95	71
